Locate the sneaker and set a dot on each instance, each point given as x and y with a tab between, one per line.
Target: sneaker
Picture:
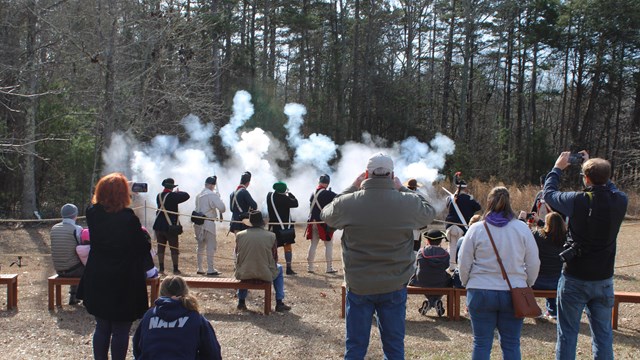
241	306
332	271
291	272
200	272
548	314
280	307
424	308
177	272
439	308
214	273
74	302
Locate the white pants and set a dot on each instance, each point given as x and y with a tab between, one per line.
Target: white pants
205	240
453	234
328	250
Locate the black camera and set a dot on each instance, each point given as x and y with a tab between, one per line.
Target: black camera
571	250
531	216
576	159
139	187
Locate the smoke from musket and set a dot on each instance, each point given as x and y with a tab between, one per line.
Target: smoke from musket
191	161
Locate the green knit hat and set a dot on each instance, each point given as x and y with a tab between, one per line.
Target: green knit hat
280	187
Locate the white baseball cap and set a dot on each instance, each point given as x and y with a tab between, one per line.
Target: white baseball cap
380	164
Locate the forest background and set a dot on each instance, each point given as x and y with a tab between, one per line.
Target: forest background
512	82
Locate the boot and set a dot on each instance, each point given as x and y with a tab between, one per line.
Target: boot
280	306
174	259
73	300
161	268
288	255
241	305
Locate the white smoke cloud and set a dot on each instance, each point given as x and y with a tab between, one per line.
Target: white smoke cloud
242	111
191	161
311	153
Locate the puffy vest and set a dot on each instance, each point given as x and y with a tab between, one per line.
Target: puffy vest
63	246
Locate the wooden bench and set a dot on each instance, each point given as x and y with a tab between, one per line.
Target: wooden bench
231	283
55	283
463	292
413	290
622	297
11	280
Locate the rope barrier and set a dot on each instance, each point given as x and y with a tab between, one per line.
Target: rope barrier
219	220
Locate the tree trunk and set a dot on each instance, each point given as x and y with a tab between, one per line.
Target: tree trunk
215	56
446	81
31	106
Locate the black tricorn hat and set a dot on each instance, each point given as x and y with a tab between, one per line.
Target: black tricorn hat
245	178
253	218
169	183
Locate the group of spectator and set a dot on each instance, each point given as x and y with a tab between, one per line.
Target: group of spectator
378	215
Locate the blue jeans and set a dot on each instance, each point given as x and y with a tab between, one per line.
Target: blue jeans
390	308
573	296
278	286
548	282
111	333
490	309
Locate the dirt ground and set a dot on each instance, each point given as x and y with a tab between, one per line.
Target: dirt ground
311	330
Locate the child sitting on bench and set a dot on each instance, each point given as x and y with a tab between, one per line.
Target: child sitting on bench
431	272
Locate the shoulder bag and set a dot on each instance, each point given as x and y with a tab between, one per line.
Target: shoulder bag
524	302
196	216
284	236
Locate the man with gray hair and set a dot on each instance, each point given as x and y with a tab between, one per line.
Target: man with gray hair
378	215
65	236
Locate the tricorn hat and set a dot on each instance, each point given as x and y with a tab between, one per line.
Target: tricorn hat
412	184
169	183
211	180
253	218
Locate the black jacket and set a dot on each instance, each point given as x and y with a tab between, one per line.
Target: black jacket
113	286
171	201
284	203
245	203
467	205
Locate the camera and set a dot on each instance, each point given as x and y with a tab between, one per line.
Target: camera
571	250
139	187
531	216
575	159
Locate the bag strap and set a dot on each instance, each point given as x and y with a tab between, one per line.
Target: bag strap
163	209
235	200
495	249
276	211
315	199
455	206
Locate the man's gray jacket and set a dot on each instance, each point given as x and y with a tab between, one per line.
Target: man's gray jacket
377	242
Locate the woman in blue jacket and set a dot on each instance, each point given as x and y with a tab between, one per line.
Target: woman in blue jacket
174	329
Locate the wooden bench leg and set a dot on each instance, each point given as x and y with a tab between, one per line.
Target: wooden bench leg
614	314
51	289
58	295
456	300
450	306
267	300
9	296
15	293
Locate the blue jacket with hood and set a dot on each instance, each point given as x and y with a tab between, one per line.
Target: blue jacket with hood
171	331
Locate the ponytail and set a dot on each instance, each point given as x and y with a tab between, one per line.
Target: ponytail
175	286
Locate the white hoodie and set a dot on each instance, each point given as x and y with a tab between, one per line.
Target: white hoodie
479	268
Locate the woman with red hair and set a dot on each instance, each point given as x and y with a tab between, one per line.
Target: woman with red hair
113	286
